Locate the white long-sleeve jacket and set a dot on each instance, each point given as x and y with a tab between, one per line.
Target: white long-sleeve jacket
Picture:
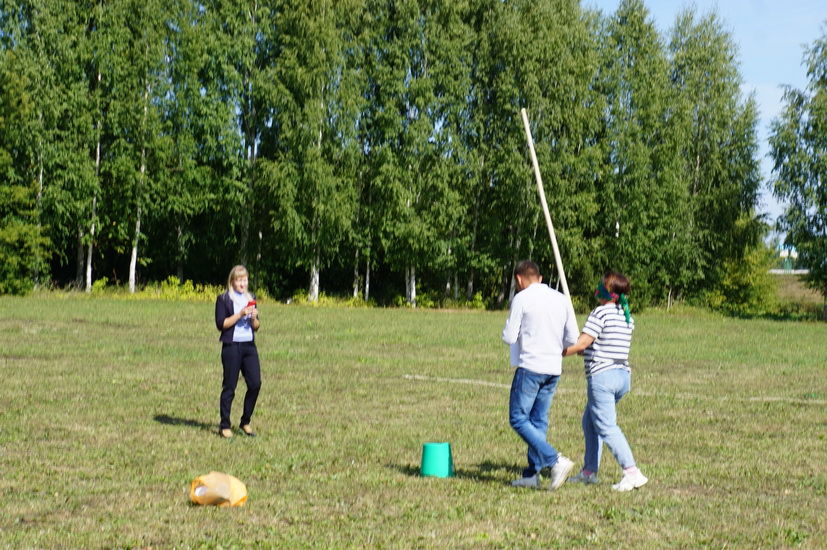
541	324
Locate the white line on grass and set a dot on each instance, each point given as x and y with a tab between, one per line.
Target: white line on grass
687	396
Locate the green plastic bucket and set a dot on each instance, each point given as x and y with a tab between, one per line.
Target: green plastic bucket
437	460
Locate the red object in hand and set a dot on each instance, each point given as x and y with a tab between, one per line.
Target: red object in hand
251	303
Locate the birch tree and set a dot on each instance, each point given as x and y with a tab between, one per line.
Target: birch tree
717	130
798	146
642	200
137	78
188	183
315	116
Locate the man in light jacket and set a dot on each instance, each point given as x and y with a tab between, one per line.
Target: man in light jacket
539	326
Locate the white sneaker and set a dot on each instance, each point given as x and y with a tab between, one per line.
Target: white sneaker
583	478
559	472
531	482
630	482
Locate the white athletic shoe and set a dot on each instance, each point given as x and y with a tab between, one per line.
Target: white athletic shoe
630	482
531	482
583	478
559	472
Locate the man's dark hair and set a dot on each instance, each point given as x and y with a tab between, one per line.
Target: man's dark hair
527	268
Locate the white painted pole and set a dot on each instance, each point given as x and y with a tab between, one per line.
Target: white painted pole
557	260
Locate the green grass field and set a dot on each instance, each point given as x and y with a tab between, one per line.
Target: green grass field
108	410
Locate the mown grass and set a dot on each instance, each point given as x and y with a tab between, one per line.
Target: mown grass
109	409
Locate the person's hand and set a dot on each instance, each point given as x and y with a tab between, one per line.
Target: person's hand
247	311
254	313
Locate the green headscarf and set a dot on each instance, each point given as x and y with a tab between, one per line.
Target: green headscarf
603	293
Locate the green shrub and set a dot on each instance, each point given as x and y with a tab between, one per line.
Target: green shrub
100	285
476	302
173	289
300	297
424	300
747	288
427	300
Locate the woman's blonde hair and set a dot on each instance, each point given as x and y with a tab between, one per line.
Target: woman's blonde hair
235	273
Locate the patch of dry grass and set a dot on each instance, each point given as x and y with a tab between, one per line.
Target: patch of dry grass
795	298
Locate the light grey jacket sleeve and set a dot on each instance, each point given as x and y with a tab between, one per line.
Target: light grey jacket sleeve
512	325
570	332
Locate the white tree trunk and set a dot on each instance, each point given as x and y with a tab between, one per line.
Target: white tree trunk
413	286
410	285
448	280
367	279
356	276
94	202
133	261
313	291
91	244
39	187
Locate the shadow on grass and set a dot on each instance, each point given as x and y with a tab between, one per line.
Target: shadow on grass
489	472
175	421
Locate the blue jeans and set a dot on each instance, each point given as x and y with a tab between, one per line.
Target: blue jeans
531	396
605	389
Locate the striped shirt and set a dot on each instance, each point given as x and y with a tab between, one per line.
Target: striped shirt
612	339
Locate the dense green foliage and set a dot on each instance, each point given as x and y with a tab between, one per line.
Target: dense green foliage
366	147
798	146
22	245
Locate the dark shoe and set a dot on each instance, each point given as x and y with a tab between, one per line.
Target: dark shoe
532	482
248	431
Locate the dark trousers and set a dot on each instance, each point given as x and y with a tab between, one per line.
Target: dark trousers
239	357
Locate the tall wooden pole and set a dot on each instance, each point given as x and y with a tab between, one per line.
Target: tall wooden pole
557	260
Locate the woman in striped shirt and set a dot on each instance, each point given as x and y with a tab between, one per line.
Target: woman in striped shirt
605	343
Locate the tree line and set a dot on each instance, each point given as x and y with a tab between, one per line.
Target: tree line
371	147
798	147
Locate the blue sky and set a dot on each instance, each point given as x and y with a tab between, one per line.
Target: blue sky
771	36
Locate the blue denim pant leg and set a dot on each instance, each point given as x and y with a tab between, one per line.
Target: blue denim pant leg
605	389
531	396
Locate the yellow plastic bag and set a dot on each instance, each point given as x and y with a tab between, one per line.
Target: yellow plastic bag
218	489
